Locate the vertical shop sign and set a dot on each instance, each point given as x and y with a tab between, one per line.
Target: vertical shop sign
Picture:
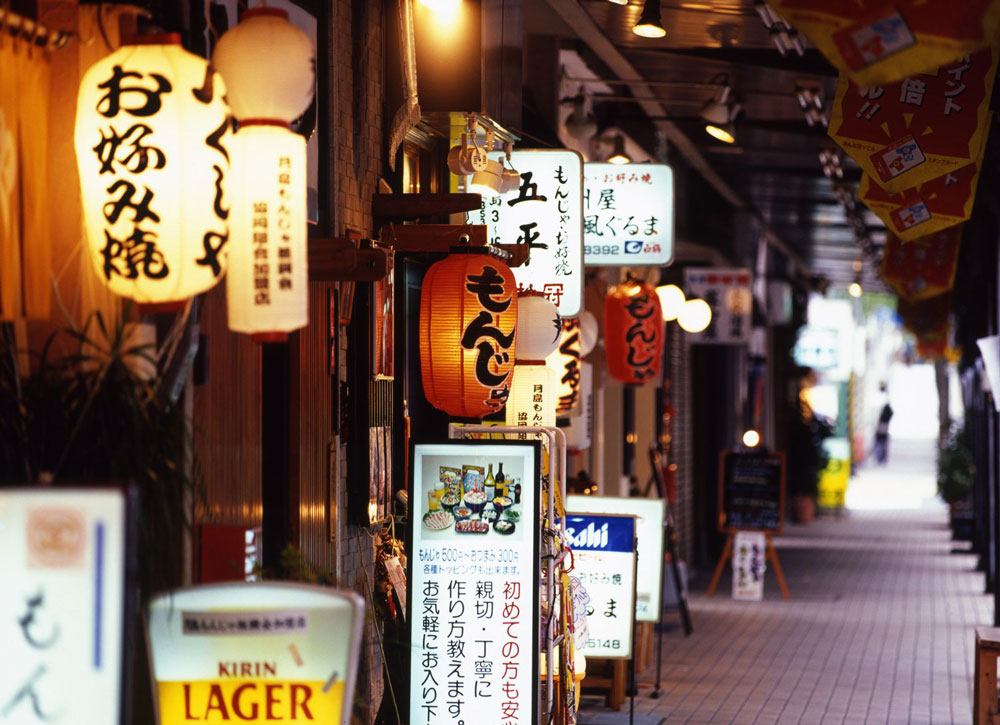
924	267
749	548
628	214
62	606
258	652
604	560
649	516
546	213
474	584
928	124
727	292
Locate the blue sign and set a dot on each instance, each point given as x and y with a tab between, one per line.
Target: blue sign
601	533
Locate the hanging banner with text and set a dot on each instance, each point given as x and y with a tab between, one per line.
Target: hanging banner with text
649	515
257	652
628	214
924	267
749	562
604	562
546	213
929	124
473	583
62	606
727	292
874	41
926	208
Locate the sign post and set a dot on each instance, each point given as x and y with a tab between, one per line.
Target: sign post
751	498
62	606
473	581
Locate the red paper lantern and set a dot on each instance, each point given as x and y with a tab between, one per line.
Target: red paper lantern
468	331
633	332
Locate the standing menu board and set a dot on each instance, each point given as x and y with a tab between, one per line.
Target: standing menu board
62	605
604	563
649	516
751	491
473	592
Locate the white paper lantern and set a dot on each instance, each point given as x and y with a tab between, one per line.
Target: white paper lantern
579	432
588	333
538	327
695	316
533	395
267	290
268	64
151	146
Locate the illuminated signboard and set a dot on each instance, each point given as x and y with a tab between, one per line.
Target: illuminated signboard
258	652
545	212
728	293
473	584
649	516
628	214
604	564
61	606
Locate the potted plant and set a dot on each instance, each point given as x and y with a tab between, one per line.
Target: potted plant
956	472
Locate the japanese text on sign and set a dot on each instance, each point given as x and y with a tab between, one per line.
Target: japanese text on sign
545	213
727	292
628	214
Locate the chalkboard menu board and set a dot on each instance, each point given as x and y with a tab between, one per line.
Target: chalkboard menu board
751	491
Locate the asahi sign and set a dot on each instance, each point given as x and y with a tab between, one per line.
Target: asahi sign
545	212
628	214
61	606
604	564
255	653
473	585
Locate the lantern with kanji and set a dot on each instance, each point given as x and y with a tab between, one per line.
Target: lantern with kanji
534	390
151	149
268	66
468	334
565	363
633	332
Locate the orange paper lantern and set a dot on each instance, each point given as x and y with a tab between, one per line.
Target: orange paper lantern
633	332
468	331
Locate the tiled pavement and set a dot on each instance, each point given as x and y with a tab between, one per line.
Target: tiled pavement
879	628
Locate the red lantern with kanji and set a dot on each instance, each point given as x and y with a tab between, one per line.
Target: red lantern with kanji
633	333
468	331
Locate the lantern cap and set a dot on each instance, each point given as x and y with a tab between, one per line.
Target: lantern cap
152	39
519	361
261	11
265	122
262	337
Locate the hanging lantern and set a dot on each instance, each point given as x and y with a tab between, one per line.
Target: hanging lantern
534	391
468	334
267	64
565	363
589	331
633	332
151	134
579	432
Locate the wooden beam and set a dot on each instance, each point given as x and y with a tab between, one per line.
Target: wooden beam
339	259
407	207
442	238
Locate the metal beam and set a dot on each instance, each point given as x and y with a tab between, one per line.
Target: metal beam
579	21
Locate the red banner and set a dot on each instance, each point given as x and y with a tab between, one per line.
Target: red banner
922	268
927	125
875	41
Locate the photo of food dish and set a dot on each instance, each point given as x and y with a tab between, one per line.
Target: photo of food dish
438	520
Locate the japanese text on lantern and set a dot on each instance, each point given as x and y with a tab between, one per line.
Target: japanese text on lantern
483	334
642	336
284	223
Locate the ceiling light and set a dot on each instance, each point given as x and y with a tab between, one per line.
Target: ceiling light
488	181
695	316
580	124
726	133
650	23
671	301
441	6
751	439
618	155
719	112
619	2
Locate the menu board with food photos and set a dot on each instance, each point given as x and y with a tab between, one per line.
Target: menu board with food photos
473	582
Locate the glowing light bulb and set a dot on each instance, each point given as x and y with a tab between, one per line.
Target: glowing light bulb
695	316
671	301
751	438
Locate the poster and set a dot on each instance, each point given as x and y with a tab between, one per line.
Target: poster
546	213
928	124
924	267
727	292
875	41
604	563
749	563
628	214
473	584
258	652
61	606
649	519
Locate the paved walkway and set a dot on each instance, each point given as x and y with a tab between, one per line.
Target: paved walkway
879	628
